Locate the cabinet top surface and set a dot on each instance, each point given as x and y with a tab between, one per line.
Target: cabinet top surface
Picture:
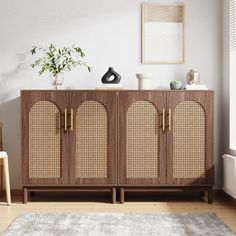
108	90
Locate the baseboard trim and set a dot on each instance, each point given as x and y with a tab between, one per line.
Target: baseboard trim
13	192
227	197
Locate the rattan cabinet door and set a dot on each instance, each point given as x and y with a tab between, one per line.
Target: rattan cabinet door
93	138
142	140
44	138
189	156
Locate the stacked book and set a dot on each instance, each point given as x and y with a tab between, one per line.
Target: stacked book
195	87
109	87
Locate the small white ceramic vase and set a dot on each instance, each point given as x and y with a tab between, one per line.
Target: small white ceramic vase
57	80
144	81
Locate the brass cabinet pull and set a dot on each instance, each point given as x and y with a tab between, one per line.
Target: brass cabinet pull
163	120
65	124
170	119
71	119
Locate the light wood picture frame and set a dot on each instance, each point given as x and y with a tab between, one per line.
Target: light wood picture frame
163	33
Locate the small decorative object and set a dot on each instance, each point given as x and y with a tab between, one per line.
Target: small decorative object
163	33
57	60
193	77
144	81
195	87
176	85
111	73
102	86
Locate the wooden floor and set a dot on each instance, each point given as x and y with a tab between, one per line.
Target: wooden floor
223	206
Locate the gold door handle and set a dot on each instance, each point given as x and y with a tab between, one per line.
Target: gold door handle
163	120
65	121
71	119
169	119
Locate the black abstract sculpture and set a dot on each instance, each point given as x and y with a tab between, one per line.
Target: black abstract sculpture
106	79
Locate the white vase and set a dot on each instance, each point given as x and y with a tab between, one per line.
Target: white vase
144	81
57	80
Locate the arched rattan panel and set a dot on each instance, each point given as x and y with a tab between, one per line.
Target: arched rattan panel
142	160
44	141
91	140
189	140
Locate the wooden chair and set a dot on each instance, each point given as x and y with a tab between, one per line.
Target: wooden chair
4	165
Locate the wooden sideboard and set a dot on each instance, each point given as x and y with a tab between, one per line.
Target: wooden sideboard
79	140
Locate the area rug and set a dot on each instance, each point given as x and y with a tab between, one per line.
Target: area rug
116	224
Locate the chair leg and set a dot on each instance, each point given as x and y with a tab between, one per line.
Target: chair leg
1	179
7	180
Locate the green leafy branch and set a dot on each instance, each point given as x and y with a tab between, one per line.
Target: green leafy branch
56	60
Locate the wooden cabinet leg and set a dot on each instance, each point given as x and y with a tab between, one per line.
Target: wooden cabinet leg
113	195
122	195
210	195
25	197
202	193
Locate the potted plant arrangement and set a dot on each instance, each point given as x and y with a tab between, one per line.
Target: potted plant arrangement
57	60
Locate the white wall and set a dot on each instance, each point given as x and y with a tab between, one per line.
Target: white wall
110	32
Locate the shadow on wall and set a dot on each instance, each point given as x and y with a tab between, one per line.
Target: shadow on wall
10	117
14	76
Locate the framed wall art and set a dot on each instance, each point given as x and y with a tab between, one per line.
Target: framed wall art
163	33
